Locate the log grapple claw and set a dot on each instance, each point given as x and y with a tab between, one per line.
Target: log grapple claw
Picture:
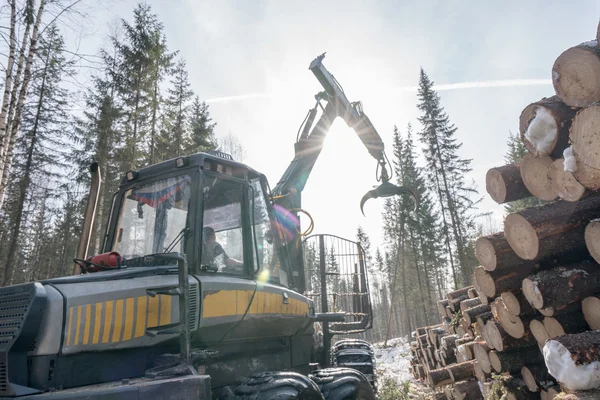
387	189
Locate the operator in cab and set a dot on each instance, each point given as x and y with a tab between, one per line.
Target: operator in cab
214	255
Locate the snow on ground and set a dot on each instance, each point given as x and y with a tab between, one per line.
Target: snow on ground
393	360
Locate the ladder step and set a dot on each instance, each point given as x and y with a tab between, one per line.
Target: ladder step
169	291
168	329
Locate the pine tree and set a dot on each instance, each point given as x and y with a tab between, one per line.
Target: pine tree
446	177
201	128
515	152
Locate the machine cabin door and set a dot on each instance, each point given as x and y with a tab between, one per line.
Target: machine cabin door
336	280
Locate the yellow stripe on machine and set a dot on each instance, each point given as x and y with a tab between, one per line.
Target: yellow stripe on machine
224	303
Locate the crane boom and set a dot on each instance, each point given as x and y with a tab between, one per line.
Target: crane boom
309	143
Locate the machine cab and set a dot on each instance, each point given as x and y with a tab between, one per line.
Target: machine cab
212	210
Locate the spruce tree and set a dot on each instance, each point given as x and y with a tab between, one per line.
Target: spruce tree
201	128
446	177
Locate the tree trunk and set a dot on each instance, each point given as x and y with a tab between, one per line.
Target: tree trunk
591	311
565	324
467	390
513	361
544	127
471	313
576	75
552	230
462	371
454	304
469	303
534	171
495	254
16	123
563	182
494	283
536	376
505	184
561	286
499	339
568	359
439	377
8	82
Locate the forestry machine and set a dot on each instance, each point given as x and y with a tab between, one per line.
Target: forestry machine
203	288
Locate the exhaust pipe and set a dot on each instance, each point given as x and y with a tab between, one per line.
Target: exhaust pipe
88	219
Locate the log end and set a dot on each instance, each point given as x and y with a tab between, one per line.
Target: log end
591	311
563	182
592	239
485	253
534	171
532	293
529	379
521	236
585	134
538	331
576	76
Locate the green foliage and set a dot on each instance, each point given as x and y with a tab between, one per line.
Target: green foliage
389	390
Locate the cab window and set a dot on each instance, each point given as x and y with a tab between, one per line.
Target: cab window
222	233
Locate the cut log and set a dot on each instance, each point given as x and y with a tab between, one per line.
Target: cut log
516	303
449	341
565	324
534	171
454	304
591	310
553	391
473	293
576	75
512	388
480	353
505	184
538	330
460	293
512	361
584	136
564	183
462	371
482	319
422	339
552	230
442	304
469	303
592	239
494	283
561	286
514	325
544	127
480	374
563	309
500	340
423	330
588	176
574	360
439	377
470	314
536	376
467	390
435	334
494	253
467	350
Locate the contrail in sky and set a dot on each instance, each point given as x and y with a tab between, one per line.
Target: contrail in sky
403	89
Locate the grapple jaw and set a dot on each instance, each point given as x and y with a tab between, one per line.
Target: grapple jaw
387	189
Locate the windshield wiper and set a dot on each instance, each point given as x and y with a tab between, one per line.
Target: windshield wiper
183	233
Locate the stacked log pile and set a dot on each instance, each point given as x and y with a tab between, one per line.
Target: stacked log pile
529	326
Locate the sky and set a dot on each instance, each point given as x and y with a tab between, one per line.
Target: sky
249	60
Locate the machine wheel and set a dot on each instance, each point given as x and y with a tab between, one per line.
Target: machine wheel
343	384
278	386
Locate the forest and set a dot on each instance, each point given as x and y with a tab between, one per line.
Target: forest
138	108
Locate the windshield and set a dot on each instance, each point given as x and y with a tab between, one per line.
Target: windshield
153	218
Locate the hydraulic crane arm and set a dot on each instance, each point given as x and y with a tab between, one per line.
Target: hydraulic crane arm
309	143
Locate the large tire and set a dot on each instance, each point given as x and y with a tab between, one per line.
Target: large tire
278	386
343	384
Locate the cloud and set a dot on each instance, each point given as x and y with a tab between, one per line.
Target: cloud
403	89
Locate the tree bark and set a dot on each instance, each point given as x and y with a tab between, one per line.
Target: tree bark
460	293
505	184
565	324
462	371
439	377
563	309
552	230
495	254
467	390
591	311
576	75
494	283
563	182
469	303
514	388
568	359
549	120
536	376
534	171
513	361
471	313
563	285
500	340
454	304
8	81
